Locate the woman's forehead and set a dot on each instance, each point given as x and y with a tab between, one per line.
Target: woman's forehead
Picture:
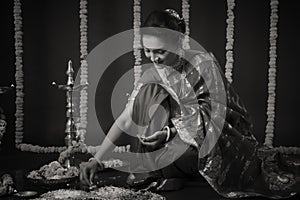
153	42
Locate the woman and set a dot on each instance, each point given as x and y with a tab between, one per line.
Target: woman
199	115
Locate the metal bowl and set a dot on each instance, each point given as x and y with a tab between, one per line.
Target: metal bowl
26	194
52	183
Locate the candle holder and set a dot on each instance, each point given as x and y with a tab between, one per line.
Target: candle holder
71	137
4	89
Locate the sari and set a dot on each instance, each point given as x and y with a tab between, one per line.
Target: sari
209	116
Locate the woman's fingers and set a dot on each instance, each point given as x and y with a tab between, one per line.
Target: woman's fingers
153	141
152	138
91	178
84	174
146	141
101	166
150	144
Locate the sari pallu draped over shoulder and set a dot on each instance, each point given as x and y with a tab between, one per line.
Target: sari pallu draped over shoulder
210	116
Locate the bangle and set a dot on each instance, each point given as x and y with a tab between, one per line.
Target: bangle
168	133
94	159
100	164
91	159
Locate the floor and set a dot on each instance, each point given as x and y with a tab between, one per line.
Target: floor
18	163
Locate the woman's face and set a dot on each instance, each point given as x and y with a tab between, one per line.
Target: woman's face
158	50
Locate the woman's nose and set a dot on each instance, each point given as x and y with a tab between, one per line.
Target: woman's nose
152	57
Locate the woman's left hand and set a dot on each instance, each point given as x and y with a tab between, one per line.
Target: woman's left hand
154	141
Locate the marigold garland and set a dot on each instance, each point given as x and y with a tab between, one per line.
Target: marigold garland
83	105
186	17
19	75
82	148
272	74
230	40
19	114
137	40
270	126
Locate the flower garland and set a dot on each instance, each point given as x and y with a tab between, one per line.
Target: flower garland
19	74
272	74
19	114
83	106
39	149
137	40
230	40
186	16
287	150
71	150
272	85
82	148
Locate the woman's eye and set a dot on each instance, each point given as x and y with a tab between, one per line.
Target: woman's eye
147	50
161	51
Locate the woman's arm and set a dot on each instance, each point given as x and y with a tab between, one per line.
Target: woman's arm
122	124
88	169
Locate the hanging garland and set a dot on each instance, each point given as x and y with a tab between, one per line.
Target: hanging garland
19	114
272	86
272	74
186	16
230	40
19	76
137	40
83	106
19	130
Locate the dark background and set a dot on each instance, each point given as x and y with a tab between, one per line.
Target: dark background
51	38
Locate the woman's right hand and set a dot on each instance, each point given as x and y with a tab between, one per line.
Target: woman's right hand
155	140
88	171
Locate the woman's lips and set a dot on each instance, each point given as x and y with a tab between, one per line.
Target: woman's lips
158	60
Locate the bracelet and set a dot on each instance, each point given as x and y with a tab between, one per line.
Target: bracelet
168	133
91	159
100	164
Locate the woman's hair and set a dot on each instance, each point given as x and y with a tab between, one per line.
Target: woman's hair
168	19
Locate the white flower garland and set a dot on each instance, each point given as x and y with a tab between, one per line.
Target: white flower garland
82	148
272	84
19	129
186	16
287	150
272	74
137	40
19	73
39	149
83	107
230	40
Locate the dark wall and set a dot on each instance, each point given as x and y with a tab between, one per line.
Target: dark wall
51	38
